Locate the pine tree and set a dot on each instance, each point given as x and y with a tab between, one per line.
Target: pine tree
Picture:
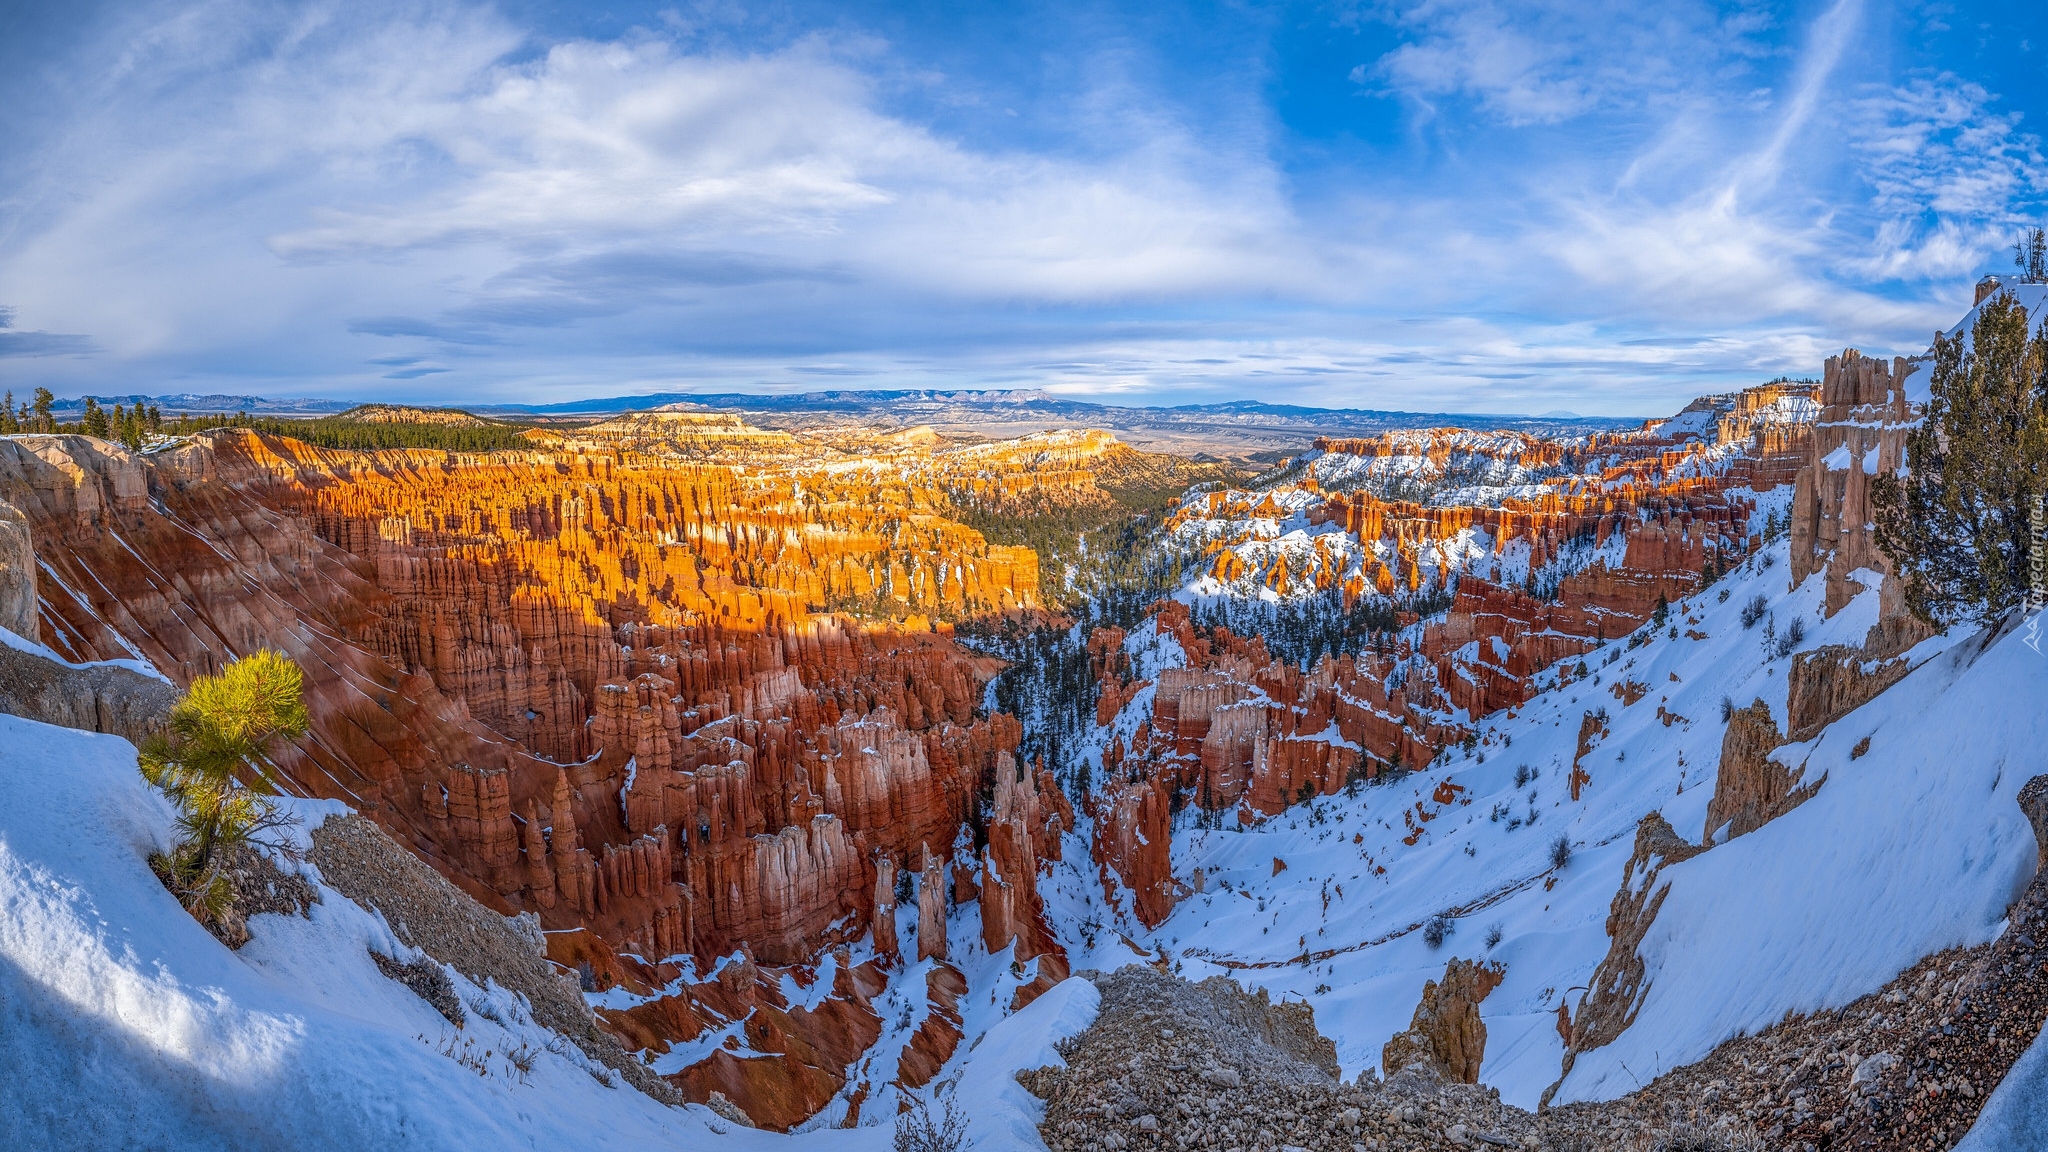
223	727
128	427
95	419
44	422
1956	526
2030	255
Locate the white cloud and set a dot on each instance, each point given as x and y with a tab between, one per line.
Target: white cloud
299	198
1951	176
1545	61
595	146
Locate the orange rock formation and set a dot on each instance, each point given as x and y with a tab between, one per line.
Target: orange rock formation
601	686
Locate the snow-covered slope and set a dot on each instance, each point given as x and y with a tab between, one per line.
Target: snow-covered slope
124	1024
1916	846
1913	847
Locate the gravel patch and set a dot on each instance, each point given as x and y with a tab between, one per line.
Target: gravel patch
1169	1064
429	981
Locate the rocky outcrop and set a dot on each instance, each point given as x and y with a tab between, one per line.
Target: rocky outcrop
1751	788
883	924
1829	682
1908	1065
938	1034
1861	434
17	573
1172	1064
95	698
1134	839
1615	994
779	1061
1028	819
931	906
1446	1040
2033	801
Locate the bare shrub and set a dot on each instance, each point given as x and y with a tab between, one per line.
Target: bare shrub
1795	631
1560	853
1439	927
916	1131
1754	610
464	1052
522	1060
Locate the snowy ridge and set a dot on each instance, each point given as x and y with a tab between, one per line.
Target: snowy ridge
1920	369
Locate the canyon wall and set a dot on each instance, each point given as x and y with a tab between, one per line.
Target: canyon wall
1861	434
600	687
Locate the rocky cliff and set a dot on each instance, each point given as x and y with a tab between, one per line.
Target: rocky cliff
606	689
1861	434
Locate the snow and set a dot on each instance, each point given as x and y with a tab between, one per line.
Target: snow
138	665
1001	1115
1915	847
124	1024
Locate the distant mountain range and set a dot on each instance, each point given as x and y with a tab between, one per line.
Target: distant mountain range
176	403
1243	429
1239	429
923	401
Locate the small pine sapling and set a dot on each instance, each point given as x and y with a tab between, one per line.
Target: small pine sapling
223	727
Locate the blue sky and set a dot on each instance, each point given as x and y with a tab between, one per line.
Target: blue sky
1461	205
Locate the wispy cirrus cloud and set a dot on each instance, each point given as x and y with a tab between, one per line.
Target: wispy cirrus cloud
1545	61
